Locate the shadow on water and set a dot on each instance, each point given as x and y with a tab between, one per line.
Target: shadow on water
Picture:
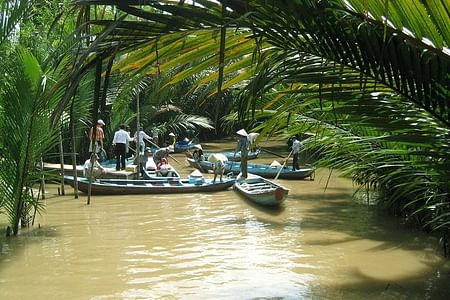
316	197
416	287
14	246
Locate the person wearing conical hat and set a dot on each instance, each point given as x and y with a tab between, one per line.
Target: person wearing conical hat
242	147
197	154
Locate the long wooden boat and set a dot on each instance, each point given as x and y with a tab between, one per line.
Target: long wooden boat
262	170
261	190
111	163
182	146
167	186
150	169
231	156
151	173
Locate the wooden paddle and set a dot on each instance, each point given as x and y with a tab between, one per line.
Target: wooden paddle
157	147
282	167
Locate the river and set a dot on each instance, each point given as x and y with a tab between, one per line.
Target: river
319	245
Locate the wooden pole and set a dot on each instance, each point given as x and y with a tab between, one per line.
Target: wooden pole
74	158
43	179
61	159
279	172
138	142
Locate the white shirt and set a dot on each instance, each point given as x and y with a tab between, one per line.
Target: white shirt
87	166
296	146
121	137
142	134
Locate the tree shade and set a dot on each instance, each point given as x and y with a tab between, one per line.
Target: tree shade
370	80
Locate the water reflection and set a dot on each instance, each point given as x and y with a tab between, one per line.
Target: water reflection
318	245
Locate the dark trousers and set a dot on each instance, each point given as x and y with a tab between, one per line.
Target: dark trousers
295	165
120	156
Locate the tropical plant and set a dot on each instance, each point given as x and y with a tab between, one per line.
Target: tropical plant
11	13
28	97
369	78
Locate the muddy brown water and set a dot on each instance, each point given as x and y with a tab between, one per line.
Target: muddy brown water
320	244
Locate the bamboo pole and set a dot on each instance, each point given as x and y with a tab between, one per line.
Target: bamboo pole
74	158
284	164
42	179
61	159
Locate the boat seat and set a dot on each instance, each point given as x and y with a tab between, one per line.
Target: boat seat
262	188
250	188
260	191
254	184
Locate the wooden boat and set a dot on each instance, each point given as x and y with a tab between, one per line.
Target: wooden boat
262	170
161	186
111	163
151	174
182	146
232	157
261	190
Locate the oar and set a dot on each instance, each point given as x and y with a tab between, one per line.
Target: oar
271	152
279	172
157	147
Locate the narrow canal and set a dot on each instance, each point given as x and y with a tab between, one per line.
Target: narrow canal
319	245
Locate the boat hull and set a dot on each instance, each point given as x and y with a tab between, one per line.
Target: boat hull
261	191
168	186
231	156
262	170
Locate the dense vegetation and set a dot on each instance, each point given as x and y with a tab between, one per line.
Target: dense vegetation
368	81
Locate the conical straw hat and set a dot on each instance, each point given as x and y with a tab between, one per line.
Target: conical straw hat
275	163
196	173
216	157
242	132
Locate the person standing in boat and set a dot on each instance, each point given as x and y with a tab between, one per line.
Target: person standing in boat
252	141
197	154
242	146
140	140
296	146
143	161
155	137
121	138
96	141
127	146
172	140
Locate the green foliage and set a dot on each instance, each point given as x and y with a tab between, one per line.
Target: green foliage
27	101
369	79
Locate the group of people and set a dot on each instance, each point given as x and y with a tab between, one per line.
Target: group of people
247	142
121	142
122	139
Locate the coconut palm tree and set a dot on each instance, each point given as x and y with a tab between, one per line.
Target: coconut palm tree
369	78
